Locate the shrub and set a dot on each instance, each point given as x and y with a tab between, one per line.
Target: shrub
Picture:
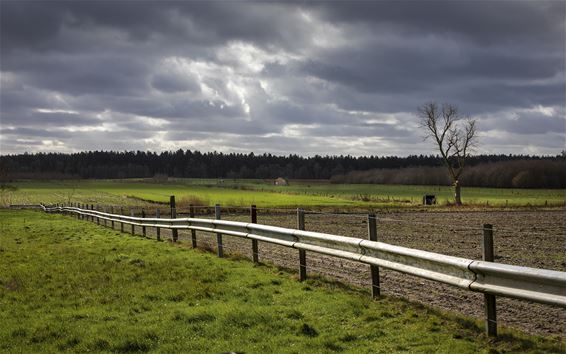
185	201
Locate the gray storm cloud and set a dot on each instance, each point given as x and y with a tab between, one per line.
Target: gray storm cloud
305	78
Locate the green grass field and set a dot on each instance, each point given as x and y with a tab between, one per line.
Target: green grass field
67	285
307	194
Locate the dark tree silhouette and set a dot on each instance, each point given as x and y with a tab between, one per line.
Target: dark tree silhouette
453	139
481	170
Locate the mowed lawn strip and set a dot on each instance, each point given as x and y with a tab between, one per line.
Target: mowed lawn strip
304	194
67	285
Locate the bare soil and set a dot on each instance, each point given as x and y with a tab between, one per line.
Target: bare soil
526	238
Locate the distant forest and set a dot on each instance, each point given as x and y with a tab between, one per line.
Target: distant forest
547	173
485	170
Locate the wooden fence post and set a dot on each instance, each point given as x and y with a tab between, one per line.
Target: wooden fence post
193	232
132	214
91	209
218	236
112	212
104	211
143	227
302	253
372	232
97	218
78	214
174	232
157	229
255	252
489	300
122	223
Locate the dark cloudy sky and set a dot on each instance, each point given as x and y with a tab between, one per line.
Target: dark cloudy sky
295	77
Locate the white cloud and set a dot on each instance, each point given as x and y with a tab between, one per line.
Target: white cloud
49	110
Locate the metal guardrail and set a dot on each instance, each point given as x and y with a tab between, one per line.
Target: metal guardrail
533	284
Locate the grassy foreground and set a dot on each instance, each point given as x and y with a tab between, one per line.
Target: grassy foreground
306	194
67	285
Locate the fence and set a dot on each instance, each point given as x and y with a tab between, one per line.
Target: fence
491	279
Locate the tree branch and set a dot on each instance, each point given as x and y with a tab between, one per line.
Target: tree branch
453	141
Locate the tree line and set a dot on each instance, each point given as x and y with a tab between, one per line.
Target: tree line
195	164
544	173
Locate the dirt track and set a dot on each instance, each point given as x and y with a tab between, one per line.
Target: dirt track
535	239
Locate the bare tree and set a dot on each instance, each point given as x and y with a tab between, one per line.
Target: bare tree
454	137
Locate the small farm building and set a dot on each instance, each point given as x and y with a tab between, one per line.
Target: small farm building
281	182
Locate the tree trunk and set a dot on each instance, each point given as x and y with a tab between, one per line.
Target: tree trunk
457	194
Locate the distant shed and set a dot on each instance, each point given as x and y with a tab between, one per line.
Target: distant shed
281	182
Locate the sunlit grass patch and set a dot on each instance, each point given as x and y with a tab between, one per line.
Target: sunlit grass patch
306	194
67	285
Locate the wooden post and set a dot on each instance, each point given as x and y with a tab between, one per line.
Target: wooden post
193	232
255	252
143	227
78	214
104	211
489	300
91	209
132	214
122	223
112	212
302	253
157	229
372	233
174	232
218	236
97	218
